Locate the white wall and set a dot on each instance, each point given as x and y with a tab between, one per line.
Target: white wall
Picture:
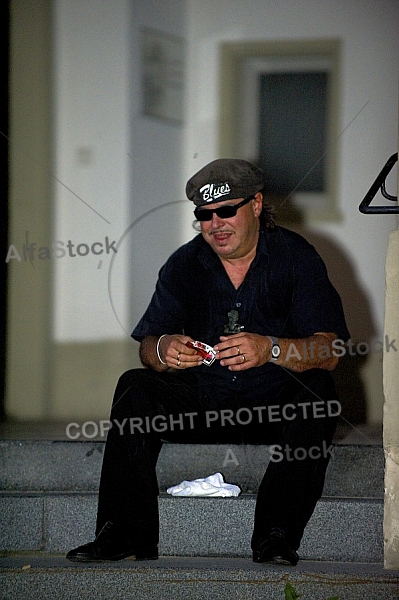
91	141
112	157
157	176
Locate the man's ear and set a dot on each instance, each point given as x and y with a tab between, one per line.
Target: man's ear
257	204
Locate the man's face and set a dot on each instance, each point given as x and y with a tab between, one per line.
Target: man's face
233	237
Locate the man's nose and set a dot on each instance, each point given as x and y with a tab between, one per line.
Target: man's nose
216	221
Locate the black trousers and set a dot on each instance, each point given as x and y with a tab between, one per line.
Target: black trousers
298	419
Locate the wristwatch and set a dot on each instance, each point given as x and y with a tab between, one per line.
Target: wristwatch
276	350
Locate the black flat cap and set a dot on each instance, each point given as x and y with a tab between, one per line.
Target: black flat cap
224	179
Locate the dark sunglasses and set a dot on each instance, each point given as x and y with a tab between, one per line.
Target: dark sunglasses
223	212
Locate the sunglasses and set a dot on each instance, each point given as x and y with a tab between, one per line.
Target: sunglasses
223	212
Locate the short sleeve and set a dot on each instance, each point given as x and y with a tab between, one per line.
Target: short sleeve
166	311
316	305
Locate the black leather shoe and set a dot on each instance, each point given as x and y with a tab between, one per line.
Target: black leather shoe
110	545
275	550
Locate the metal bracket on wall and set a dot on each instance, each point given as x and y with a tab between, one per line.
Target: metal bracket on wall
379	184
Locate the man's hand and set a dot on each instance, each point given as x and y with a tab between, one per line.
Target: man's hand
176	354
241	351
173	353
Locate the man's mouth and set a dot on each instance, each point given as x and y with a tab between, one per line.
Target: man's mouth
221	236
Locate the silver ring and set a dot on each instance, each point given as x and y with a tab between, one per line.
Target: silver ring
178	363
178	357
243	357
238	350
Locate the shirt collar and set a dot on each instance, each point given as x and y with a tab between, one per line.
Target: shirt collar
209	258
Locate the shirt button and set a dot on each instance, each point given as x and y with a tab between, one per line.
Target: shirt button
238	304
234	378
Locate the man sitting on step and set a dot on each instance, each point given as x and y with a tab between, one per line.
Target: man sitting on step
259	295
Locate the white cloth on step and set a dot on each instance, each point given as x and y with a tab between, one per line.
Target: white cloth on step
209	486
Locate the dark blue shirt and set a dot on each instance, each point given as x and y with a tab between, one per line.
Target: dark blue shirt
286	293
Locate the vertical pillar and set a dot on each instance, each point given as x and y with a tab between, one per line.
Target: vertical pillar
391	405
29	287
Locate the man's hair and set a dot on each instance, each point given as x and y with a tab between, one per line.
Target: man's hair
267	216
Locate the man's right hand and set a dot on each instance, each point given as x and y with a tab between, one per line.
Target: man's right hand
172	353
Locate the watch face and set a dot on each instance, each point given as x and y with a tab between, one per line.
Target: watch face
276	351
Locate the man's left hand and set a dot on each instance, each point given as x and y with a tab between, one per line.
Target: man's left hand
241	351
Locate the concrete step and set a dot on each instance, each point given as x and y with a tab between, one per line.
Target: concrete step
48	499
339	530
355	471
39	577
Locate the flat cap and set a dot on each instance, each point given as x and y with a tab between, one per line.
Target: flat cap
224	179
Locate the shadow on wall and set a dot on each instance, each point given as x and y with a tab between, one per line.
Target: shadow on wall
347	375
